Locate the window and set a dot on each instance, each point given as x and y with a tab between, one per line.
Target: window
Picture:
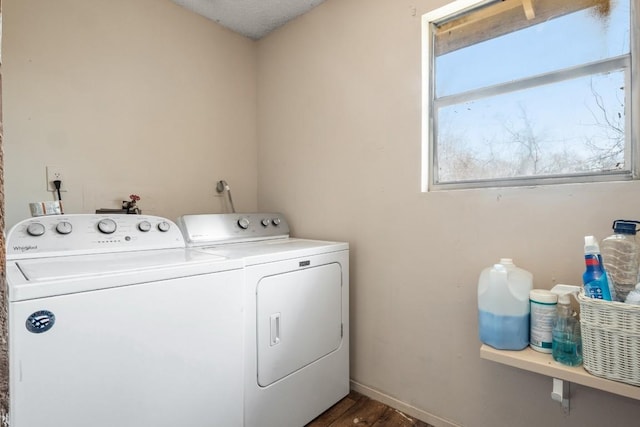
528	92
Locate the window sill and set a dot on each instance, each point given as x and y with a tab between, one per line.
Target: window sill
542	363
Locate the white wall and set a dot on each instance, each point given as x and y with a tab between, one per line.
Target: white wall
339	154
144	97
126	97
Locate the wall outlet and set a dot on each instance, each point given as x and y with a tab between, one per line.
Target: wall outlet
55	173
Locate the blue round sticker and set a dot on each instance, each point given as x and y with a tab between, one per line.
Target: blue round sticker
40	321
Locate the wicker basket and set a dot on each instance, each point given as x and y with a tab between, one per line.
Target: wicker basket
610	339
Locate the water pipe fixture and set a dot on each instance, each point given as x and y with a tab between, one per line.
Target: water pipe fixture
222	186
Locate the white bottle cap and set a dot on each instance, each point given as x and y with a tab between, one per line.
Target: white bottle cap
591	244
560	289
564	299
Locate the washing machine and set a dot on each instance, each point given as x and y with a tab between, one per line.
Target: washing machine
114	322
296	319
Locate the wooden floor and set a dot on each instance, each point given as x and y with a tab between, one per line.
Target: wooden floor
358	410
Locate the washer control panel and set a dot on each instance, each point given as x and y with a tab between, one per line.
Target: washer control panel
56	235
208	229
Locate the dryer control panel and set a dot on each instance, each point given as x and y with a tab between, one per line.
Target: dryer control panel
58	235
208	229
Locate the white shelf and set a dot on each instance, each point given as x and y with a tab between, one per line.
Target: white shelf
542	363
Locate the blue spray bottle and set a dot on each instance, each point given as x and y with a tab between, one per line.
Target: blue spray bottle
594	278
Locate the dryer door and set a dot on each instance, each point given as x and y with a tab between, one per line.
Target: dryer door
299	319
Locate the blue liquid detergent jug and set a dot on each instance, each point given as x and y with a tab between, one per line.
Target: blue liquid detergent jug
503	306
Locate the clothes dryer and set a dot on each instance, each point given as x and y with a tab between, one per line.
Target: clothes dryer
296	301
113	322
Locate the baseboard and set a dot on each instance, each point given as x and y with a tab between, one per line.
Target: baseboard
401	406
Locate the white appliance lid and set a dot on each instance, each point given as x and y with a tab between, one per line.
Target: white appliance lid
59	268
45	277
273	250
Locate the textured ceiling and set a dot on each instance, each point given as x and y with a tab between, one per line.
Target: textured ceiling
251	18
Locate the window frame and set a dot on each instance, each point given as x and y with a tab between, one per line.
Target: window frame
429	160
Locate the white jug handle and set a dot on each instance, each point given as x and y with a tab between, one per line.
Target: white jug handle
499	274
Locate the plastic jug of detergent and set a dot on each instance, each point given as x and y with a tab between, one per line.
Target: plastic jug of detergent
503	305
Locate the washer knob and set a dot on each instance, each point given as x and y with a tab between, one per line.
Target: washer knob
107	226
244	223
275	221
144	226
35	229
164	226
64	227
265	222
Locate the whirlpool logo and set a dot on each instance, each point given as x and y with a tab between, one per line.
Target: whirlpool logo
40	321
25	248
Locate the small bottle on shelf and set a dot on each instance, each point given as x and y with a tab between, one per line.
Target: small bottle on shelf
620	253
594	278
566	347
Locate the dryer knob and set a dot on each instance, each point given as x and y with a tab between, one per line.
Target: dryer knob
64	227
244	223
35	229
144	226
275	221
265	222
164	226
107	226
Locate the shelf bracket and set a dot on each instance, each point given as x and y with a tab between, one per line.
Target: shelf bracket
528	9
560	394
